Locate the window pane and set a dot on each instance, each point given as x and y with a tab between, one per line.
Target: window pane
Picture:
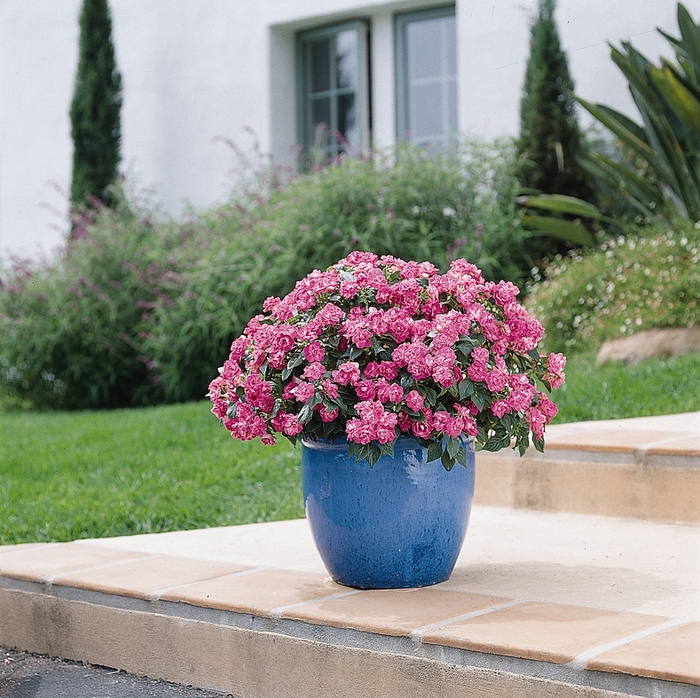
347	124
334	67
429	58
450	44
423	46
346	59
319	63
320	114
426	114
452	106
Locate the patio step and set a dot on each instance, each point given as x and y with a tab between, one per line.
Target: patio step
541	604
646	468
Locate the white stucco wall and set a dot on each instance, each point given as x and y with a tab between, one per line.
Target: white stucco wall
196	73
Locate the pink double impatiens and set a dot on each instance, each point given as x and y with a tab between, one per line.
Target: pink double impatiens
376	347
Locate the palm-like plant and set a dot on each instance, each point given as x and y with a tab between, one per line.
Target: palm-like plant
668	140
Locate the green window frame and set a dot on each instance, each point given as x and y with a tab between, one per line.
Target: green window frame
333	90
426	77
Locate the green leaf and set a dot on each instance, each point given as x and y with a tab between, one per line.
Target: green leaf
465	348
466	389
539	443
453	447
447	461
387	449
434	451
373	454
561	204
305	414
354	352
231	410
559	228
479	400
430	395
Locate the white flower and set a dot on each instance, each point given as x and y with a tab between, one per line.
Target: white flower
448	212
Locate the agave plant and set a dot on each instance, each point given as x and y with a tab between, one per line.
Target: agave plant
668	140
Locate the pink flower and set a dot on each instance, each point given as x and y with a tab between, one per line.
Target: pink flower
365	390
314	371
388	370
500	407
547	407
404	421
303	391
442	421
537	422
327	416
414	401
330	388
422	429
314	352
348	372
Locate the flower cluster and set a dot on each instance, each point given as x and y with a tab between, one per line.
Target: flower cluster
376	347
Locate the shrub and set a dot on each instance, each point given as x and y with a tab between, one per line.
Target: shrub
402	204
629	284
70	332
139	311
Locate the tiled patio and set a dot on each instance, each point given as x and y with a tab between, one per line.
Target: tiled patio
543	601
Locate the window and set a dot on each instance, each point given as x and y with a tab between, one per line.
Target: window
334	99
426	70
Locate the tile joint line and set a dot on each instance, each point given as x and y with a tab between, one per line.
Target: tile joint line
580	662
50	580
417	634
276	613
155	595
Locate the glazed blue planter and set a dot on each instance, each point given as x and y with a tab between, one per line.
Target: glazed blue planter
399	524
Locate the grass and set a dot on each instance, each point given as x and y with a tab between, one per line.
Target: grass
613	391
91	474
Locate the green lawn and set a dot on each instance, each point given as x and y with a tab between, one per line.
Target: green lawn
91	474
613	391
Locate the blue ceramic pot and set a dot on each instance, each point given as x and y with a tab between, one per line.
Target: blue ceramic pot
399	524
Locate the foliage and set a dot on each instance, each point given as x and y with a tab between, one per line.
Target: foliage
71	331
399	203
141	310
111	473
630	284
666	171
550	145
95	109
374	348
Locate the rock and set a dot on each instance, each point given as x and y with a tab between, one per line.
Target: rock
651	344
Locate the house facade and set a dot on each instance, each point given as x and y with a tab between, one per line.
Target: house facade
333	74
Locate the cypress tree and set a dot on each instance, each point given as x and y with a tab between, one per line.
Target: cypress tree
95	109
550	144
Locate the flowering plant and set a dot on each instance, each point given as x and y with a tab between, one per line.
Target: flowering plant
374	348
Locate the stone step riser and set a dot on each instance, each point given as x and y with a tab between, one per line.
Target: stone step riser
225	652
666	493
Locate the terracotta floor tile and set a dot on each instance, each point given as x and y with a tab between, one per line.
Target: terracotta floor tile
392	611
673	655
682	447
611	440
141	577
257	592
542	631
42	563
